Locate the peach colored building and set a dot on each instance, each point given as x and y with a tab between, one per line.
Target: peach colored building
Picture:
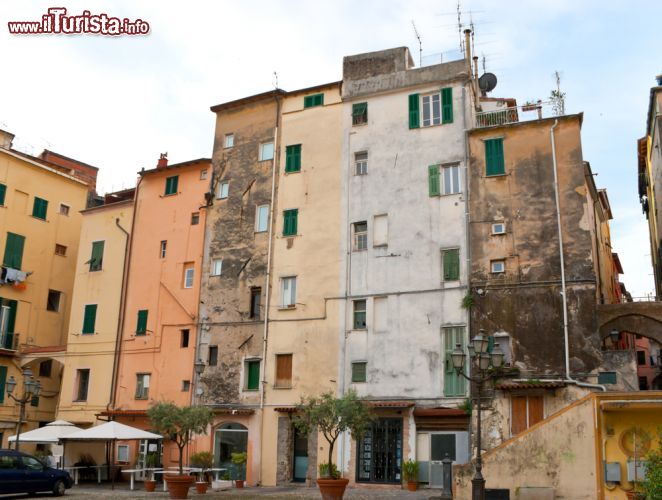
159	321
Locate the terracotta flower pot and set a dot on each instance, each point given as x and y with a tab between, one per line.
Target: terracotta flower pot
239	483
412	485
178	485
332	489
201	487
150	484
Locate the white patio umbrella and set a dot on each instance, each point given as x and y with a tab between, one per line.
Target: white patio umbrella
48	434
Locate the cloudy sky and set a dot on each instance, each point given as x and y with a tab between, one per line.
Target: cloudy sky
117	102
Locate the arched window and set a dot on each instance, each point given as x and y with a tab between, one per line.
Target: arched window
229	438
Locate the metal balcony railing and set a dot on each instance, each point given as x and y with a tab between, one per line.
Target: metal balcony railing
514	114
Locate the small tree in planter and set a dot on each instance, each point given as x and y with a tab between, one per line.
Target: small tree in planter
179	424
332	416
410	474
240	459
204	460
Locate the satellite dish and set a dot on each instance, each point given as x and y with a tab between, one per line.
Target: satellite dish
487	82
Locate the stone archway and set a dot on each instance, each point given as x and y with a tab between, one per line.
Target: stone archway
643	318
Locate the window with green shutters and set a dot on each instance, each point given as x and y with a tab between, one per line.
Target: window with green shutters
433	180
359	371
171	185
3	193
447	105
414	114
7	323
39	208
450	261
313	100
494	161
252	375
293	158
359	113
96	259
141	327
290	222
14	251
454	384
89	318
3	381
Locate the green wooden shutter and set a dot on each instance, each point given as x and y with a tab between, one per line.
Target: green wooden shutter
451	265
447	105
293	158
359	372
96	260
414	119
490	343
14	250
290	222
39	208
11	323
454	384
433	180
494	160
3	380
253	375
171	184
3	193
141	327
89	318
34	401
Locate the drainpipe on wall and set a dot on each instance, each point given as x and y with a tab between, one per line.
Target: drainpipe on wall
568	378
267	293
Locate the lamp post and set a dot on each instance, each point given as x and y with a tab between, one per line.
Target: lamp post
31	387
481	360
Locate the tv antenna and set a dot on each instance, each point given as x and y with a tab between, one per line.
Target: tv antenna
275	82
420	45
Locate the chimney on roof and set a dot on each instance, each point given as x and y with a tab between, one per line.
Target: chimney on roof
163	161
6	139
659	79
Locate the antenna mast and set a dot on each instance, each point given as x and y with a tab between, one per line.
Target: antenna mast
459	27
420	45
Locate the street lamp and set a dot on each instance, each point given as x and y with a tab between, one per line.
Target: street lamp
483	361
615	336
31	388
199	367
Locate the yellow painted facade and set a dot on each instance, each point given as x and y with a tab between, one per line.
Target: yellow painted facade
95	352
309	331
39	326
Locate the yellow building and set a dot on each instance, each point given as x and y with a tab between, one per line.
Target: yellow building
89	371
40	204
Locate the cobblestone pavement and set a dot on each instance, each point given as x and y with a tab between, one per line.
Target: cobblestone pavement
281	493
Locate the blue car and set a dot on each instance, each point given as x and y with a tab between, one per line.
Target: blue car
22	473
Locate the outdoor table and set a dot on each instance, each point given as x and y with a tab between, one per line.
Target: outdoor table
131	471
153	470
196	470
77	468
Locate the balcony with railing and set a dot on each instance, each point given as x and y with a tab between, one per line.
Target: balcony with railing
515	114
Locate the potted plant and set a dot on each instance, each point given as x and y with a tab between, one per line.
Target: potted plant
179	424
331	417
652	483
410	474
240	459
204	460
151	461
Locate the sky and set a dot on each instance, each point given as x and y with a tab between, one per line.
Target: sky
117	102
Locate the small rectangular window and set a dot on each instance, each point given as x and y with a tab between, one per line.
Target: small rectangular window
141	324
290	222
499	228
359	371
171	185
96	259
360	240
60	250
82	383
494	159
189	273
142	385
498	266
359	113
183	338
216	267
195	218
283	370
223	190
45	368
203	175
261	218
431	109
53	302
64	209
186	385
450	262
212	358
310	101
252	375
162	250
39	208
361	163
359	315
266	151
123	453
450	179
641	358
89	318
3	194
229	140
256	297
288	291
293	158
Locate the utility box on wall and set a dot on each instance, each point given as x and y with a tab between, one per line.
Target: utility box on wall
641	470
613	472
